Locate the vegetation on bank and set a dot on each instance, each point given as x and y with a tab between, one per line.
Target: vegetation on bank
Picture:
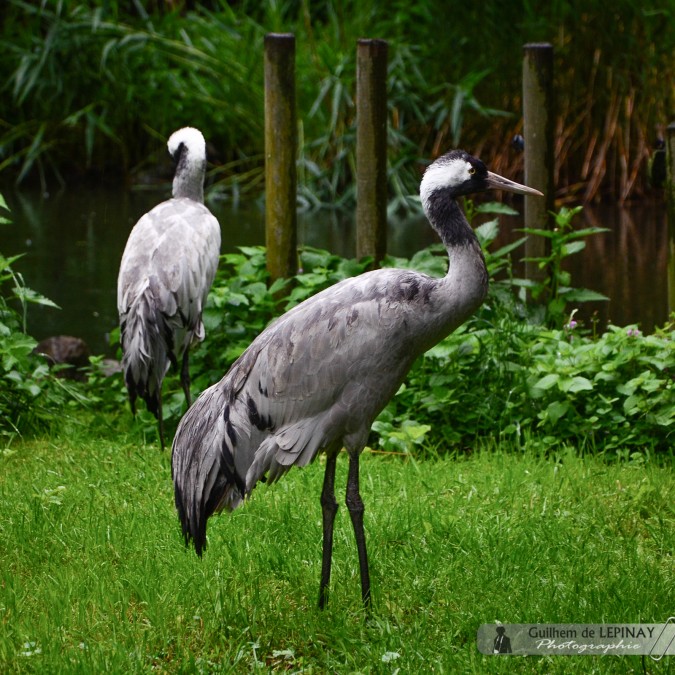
522	370
93	88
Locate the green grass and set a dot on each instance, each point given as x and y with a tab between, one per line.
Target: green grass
94	576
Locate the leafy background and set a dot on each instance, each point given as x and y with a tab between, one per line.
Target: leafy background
90	88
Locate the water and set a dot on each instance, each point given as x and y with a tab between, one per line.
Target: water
73	241
628	264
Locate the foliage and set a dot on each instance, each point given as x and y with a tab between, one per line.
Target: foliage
93	87
517	370
502	375
30	396
506	379
94	576
553	292
89	87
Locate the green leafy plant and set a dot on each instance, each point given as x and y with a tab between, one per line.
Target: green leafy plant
506	375
30	396
89	84
613	393
502	375
554	292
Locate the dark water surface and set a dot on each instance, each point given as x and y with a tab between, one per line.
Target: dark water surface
73	242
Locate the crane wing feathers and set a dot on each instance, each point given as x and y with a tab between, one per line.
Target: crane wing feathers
315	379
167	269
173	249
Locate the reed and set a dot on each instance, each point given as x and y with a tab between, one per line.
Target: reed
90	88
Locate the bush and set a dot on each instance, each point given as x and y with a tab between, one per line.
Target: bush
30	396
510	380
515	370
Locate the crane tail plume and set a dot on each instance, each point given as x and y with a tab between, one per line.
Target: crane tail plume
206	479
146	344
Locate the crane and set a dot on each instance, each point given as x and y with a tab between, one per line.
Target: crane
167	269
316	378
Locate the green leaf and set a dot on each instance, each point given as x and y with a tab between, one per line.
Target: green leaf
579	383
583	295
29	295
500	252
556	410
496	207
631	405
487	232
4	220
573	247
549	234
547	381
586	232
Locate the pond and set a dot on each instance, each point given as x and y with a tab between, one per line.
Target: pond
73	241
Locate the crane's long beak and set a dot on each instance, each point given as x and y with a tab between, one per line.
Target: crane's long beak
497	182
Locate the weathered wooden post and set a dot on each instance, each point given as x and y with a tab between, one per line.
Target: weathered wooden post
371	149
281	235
538	124
670	187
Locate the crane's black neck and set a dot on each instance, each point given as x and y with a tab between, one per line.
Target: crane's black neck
447	218
189	177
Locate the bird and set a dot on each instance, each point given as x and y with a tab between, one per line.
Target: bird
167	268
518	143
317	377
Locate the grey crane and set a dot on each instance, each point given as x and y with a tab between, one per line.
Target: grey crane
315	379
167	269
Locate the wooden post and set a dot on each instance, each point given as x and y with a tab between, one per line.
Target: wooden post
539	119
371	149
670	187
281	234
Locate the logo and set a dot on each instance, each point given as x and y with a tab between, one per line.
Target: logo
652	639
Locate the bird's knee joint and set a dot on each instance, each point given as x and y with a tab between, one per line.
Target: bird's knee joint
355	504
329	503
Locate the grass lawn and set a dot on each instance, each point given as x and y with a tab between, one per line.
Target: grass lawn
94	575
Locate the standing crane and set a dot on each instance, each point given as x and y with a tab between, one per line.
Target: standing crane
166	272
316	378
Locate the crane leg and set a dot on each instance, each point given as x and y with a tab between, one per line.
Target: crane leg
329	507
356	509
185	377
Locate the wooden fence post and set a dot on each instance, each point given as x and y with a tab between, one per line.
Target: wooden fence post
281	235
371	149
538	124
670	187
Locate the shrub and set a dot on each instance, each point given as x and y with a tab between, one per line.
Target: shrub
503	374
29	395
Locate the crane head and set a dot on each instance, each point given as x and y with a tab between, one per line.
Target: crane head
457	173
188	149
187	138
